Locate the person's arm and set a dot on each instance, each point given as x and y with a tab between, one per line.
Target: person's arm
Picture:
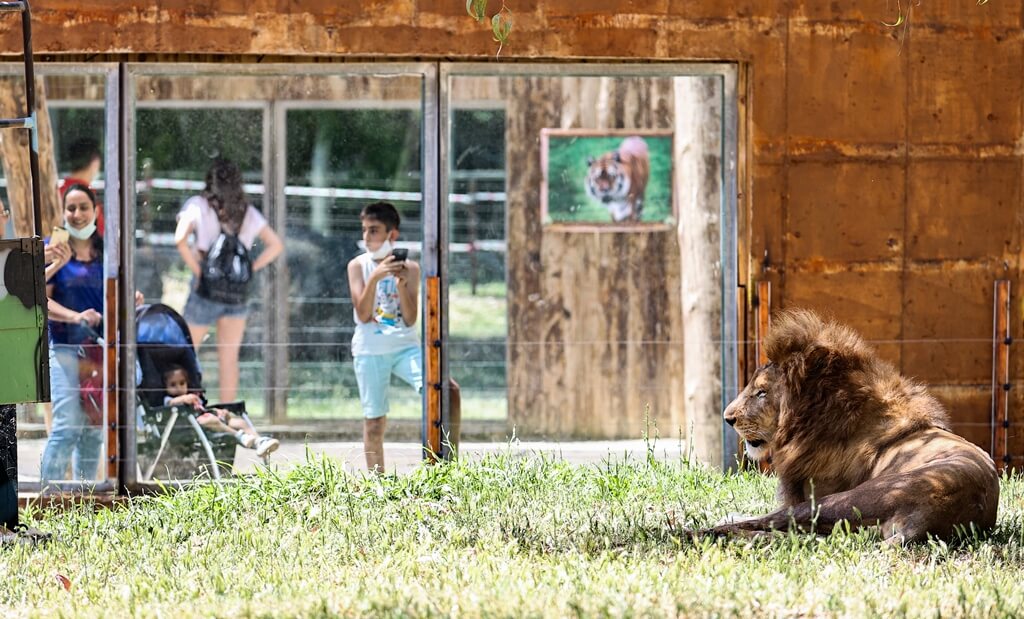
189	399
362	301
408	291
181	233
57	254
57	312
272	248
363	293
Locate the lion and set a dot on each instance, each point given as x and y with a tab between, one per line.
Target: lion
854	441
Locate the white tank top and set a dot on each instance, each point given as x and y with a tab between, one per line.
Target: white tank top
386	332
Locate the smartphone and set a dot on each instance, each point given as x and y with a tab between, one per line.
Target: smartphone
59	235
400	254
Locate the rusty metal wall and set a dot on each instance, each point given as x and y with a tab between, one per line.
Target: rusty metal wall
882	165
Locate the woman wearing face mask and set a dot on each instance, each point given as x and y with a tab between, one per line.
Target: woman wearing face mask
75	294
221	209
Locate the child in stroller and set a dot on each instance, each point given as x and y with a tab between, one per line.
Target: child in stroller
214	419
169	389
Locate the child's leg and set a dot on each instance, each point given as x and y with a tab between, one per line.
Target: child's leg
454	414
409	367
240	425
373	443
213	423
373	372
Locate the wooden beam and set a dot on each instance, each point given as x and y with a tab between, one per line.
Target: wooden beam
432	380
110	359
1001	374
763	304
15	158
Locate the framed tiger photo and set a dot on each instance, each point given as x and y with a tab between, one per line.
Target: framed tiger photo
607	178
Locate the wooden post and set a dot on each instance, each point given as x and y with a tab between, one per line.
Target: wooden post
1001	341
14	156
742	354
110	351
432	379
763	303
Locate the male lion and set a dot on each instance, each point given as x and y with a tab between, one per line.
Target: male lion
852	440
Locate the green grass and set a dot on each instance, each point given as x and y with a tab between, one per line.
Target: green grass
480	316
504	535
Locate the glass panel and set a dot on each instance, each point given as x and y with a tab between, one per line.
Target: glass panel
63	441
313	150
573	200
338	161
478	314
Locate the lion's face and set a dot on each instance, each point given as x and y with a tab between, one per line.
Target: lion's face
755	411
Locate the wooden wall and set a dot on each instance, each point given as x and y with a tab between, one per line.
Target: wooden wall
595	326
882	166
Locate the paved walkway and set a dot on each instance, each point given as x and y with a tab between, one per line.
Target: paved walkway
402	457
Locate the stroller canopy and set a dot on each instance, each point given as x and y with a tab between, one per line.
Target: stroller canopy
163	341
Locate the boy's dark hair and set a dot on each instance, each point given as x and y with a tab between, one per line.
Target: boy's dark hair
384	212
83	152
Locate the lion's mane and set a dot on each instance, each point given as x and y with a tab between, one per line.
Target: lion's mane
841	405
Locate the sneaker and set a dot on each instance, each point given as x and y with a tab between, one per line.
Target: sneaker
246	440
266	446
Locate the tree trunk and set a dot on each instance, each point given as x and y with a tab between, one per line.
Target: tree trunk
14	153
698	143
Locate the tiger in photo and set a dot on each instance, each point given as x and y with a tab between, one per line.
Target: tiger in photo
618	179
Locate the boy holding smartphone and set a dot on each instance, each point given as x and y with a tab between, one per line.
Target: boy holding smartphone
385	296
384	286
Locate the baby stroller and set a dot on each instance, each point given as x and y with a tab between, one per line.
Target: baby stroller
170	441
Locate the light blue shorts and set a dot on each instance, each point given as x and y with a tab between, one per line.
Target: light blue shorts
373	373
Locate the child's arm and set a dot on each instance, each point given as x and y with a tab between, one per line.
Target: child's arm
189	399
408	291
363	293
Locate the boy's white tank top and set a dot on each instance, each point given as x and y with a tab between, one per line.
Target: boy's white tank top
386	332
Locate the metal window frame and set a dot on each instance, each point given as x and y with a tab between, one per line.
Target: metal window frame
111	256
728	211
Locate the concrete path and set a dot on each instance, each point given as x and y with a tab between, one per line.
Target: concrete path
403	457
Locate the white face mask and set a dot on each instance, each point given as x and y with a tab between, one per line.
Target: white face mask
383	251
82	234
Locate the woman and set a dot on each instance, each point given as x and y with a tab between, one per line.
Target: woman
221	208
75	293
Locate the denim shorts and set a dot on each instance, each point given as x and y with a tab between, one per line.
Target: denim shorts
200	311
373	373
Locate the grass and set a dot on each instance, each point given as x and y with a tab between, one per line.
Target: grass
502	535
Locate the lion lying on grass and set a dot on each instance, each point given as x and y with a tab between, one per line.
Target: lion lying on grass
852	440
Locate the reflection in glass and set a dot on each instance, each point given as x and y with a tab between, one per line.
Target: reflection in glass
313	150
578	331
64	442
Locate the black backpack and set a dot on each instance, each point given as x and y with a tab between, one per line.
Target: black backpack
226	271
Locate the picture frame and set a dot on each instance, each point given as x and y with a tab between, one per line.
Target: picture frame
607	179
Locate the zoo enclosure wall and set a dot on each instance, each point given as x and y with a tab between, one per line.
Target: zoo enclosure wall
881	179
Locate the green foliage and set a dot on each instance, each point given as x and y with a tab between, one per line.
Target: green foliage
501	26
183	142
501	22
477	9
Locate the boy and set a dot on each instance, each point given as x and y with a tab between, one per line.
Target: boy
385	299
176	384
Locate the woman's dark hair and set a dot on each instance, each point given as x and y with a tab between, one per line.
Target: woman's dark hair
225	194
96	238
